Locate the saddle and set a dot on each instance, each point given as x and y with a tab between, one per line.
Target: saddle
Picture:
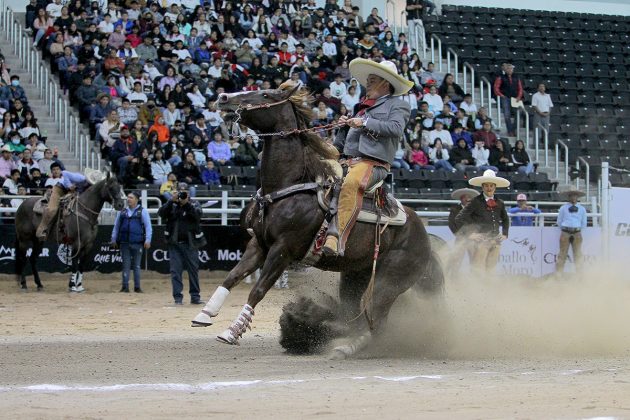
66	203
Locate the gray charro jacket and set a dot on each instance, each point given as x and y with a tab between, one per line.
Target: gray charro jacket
386	123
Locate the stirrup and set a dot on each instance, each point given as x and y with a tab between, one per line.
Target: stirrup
331	246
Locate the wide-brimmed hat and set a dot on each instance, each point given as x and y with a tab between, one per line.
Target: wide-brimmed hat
457	194
489	177
360	68
93	175
568	190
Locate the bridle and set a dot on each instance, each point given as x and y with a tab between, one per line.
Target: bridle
266	105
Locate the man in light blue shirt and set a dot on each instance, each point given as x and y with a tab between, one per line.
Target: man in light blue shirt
523	207
571	221
219	151
132	231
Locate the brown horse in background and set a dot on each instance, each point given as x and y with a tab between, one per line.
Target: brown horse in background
283	230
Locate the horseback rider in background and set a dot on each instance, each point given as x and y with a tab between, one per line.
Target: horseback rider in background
369	142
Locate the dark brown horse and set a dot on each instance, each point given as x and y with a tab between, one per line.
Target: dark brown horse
283	230
80	230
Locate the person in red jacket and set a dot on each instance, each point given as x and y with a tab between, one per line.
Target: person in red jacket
508	86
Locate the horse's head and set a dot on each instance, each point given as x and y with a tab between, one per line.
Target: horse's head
260	110
113	193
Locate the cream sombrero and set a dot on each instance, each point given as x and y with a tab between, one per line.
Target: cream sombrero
489	177
93	175
457	194
568	190
360	68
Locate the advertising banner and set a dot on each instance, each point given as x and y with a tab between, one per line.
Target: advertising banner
619	222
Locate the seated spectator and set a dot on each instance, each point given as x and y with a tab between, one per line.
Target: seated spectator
196	98
188	171
431	74
482	117
436	105
246	154
438	156
10	185
417	158
169	186
7	163
402	151
468	106
86	96
140	170
245	54
464	120
198	147
461	156
522	207
100	111
67	64
351	98
501	158
486	135
521	160
15	143
425	117
137	96
323	114
210	176
481	155
21	190
125	149
55	175
162	130
338	88
127	114
36	183
452	89
25	165
219	151
46	163
440	133
109	132
148	113
459	133
446	117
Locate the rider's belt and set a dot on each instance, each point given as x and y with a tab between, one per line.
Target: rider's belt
570	230
374	162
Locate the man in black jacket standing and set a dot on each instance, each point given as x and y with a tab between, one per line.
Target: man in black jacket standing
183	235
488	216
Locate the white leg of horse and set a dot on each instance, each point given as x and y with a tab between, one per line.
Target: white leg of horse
238	327
352	348
79	283
72	286
214	304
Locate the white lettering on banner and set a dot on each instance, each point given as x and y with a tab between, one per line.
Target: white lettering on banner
532	251
619	223
160	255
227	255
7	253
107	254
203	256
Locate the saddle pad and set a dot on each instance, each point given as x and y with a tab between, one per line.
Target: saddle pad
399	219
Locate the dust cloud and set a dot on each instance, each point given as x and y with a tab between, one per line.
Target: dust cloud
486	317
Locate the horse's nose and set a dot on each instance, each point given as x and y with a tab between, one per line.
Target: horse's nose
223	98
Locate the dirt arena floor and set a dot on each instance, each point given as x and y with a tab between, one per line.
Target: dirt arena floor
104	354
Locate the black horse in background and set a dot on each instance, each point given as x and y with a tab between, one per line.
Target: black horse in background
80	227
283	230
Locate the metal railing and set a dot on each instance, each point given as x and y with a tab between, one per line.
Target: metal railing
390	5
485	91
454	68
523	111
566	160
466	67
434	39
537	139
587	180
47	88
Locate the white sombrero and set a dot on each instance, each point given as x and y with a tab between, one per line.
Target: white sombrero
93	175
489	177
457	194
568	190
360	68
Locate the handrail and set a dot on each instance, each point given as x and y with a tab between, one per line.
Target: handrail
455	68
467	66
546	132
486	93
499	123
393	8
400	28
566	161
439	46
518	124
588	175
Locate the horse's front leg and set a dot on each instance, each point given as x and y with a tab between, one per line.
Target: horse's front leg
252	259
37	249
278	259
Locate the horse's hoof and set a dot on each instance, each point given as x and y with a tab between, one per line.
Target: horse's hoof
338	354
202	320
226	337
40	288
77	289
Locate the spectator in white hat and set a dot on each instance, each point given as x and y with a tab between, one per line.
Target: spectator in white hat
523	207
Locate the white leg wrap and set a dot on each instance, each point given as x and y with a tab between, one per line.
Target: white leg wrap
238	327
352	348
204	318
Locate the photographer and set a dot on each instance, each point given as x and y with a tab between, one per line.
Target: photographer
183	235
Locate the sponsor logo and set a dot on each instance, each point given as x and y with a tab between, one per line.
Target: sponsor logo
227	255
64	253
623	229
160	255
6	253
107	255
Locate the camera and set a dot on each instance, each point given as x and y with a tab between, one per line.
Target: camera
183	195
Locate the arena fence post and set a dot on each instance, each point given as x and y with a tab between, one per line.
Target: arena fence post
605	208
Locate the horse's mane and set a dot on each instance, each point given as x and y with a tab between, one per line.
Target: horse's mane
316	150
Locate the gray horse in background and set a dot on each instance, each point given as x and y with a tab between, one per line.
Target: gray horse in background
80	228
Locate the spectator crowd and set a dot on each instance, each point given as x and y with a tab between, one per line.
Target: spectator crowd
145	74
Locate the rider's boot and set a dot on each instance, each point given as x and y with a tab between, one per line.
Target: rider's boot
331	246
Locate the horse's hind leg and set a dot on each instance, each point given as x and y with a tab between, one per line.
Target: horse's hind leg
37	249
278	259
20	259
252	259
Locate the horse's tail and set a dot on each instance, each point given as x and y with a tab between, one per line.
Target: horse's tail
20	259
432	282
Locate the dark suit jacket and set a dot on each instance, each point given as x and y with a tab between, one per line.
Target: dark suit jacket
485	220
455	210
